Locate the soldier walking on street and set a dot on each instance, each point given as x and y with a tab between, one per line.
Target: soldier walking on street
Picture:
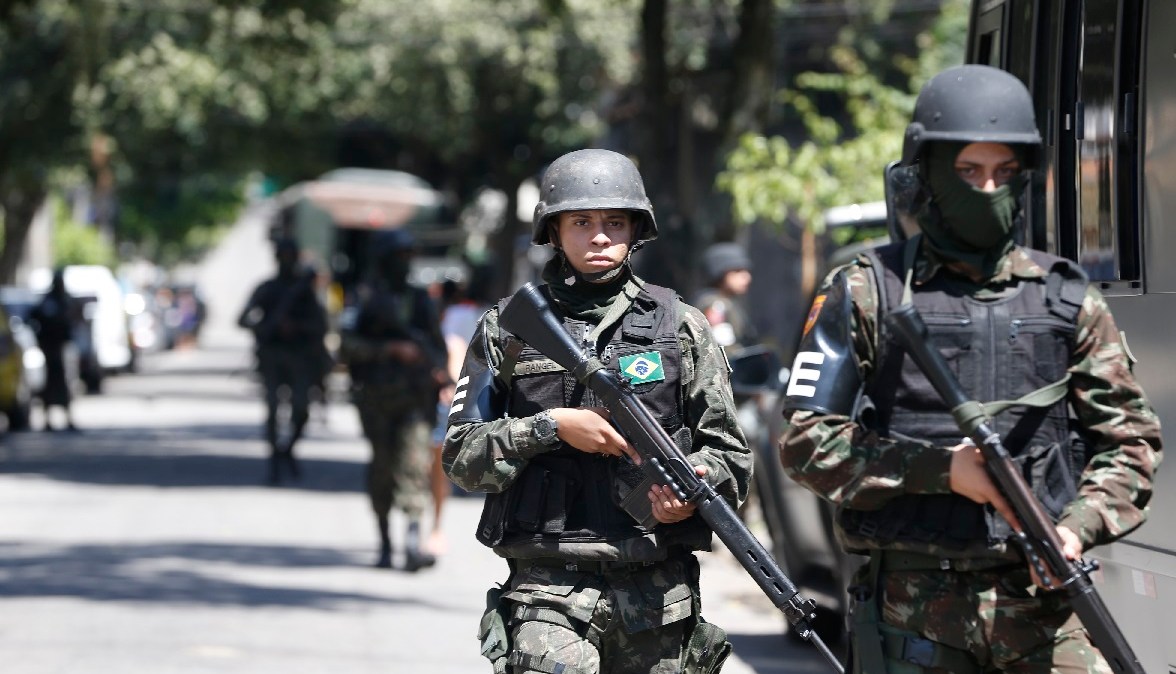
590	589
946	589
396	356
288	324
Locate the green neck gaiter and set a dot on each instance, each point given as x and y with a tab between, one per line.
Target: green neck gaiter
966	223
582	300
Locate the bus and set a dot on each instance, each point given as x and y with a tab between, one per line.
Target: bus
334	217
1103	78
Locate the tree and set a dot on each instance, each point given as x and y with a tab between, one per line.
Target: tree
840	158
39	71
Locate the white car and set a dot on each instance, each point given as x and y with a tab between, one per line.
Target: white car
106	313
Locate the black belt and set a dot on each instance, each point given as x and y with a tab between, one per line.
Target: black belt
894	560
596	567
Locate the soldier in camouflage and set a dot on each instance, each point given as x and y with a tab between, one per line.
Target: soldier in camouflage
945	590
288	324
396	357
590	590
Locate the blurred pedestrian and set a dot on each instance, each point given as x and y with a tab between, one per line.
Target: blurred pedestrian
462	305
593	588
54	320
396	357
728	276
289	325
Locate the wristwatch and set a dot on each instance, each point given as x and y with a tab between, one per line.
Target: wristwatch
544	428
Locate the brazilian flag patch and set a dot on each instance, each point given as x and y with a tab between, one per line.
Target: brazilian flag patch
642	368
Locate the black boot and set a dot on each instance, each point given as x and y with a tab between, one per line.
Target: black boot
416	559
385	559
290	460
275	466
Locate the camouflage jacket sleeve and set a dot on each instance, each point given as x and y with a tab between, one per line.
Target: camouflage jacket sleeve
717	441
1120	425
488	455
833	456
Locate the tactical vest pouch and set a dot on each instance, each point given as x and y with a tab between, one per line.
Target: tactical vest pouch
631	493
1047	469
706	649
492	630
492	524
542	499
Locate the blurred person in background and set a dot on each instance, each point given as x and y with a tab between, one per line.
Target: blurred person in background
728	277
462	305
396	357
54	320
289	325
592	589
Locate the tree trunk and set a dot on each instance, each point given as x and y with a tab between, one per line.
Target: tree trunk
20	203
753	77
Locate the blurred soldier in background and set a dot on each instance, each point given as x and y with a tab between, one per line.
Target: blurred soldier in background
591	589
396	356
728	277
288	324
54	320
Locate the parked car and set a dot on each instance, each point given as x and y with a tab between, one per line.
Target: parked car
15	394
103	306
18	303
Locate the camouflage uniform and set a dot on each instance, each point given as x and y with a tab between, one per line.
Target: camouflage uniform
289	325
992	612
396	400
627	605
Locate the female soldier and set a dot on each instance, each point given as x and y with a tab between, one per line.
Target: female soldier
591	589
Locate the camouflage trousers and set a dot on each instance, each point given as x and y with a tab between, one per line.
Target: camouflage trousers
633	620
402	458
997	619
291	366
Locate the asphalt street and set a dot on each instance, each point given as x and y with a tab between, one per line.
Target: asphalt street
149	542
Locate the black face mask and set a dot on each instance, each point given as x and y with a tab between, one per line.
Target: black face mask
965	222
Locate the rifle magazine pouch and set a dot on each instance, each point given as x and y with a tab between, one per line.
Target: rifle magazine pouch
706	649
492	630
631	493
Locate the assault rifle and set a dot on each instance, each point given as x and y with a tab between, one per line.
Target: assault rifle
529	316
1039	538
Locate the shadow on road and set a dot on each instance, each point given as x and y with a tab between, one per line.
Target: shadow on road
164	573
176	456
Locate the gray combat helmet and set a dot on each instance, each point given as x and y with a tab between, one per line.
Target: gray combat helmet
972	104
590	180
721	258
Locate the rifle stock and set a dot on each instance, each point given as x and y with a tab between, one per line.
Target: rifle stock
1039	538
529	316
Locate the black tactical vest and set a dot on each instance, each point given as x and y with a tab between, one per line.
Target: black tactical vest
568	495
999	349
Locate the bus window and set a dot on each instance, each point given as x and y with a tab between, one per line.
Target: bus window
989	43
1105	148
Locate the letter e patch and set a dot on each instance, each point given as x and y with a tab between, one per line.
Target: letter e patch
642	368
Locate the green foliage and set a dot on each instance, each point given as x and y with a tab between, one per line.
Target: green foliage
171	221
840	160
75	243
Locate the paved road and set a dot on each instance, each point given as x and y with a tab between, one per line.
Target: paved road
149	543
